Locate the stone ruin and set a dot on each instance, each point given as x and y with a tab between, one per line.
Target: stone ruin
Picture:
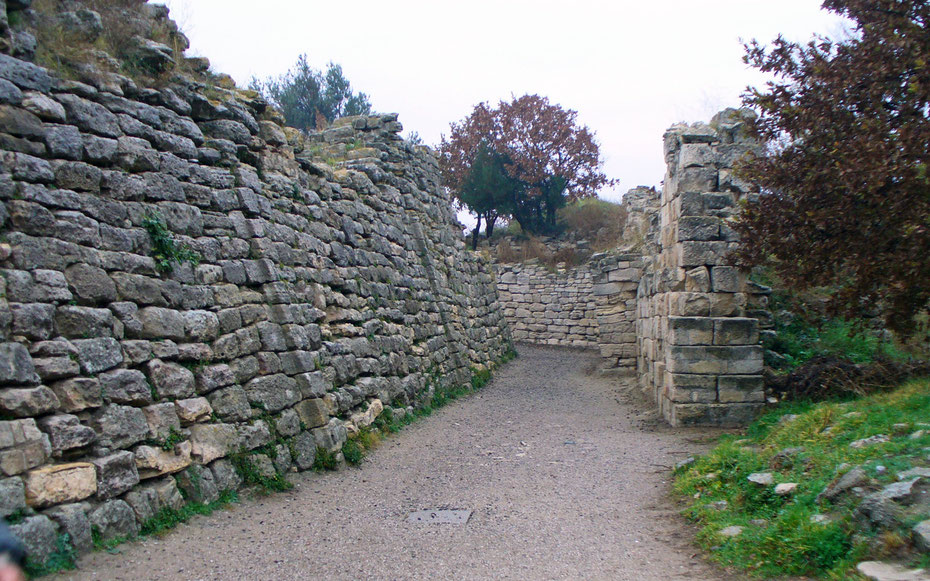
669	309
185	282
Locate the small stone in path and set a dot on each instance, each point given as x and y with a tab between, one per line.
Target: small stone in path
877	571
785	488
731	531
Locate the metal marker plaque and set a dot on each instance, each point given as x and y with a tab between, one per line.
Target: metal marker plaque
451	517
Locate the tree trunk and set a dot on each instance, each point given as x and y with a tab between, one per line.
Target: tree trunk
474	234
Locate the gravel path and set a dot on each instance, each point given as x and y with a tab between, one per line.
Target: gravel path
567	475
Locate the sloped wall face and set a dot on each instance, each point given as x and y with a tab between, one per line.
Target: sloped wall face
698	315
186	283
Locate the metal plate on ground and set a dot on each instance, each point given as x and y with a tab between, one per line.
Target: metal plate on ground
449	517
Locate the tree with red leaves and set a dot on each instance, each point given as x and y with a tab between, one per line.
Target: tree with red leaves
544	148
846	194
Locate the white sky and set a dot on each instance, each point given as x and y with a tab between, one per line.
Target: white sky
630	69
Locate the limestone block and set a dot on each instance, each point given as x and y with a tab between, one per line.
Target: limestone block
693	254
152	462
170	380
690	331
685	304
727	279
114	519
680	414
16	367
77	394
60	484
740	388
162	419
72	520
697	179
212	441
251	436
743	360
65	432
161	323
116	474
698	228
727	304
193	410
231	404
97	355
119	426
12	496
274	392
125	386
736	331
225	476
28	401
39	536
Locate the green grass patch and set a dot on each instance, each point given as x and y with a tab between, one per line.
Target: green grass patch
807	444
246	469
168	518
64	558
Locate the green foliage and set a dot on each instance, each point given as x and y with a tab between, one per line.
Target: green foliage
308	97
488	190
168	518
785	541
250	475
165	250
324	460
63	558
17	516
174	438
599	221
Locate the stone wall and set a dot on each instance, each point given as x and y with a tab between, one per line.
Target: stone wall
185	281
591	306
698	316
677	314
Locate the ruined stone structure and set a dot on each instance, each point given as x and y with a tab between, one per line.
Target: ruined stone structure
677	313
185	283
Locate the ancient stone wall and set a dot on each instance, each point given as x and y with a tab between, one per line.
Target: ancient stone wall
188	288
549	307
698	316
678	313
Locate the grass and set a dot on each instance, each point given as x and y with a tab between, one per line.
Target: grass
779	537
64	558
250	475
168	518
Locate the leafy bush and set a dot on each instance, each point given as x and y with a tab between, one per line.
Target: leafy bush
599	221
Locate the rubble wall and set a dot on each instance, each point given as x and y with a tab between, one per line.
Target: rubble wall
190	291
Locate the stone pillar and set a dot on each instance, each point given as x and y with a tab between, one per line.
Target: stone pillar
697	313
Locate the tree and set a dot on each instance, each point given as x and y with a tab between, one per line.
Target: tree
488	190
545	149
308	97
846	194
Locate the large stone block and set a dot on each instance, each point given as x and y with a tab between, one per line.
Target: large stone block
100	354
116	474
743	360
193	410
723	415
125	386
162	419
212	441
16	367
65	432
690	331
312	412
12	496
170	380
160	323
77	394
39	536
736	331
72	520
152	462
59	484
28	401
273	392
22	446
114	519
741	389
120	426
231	404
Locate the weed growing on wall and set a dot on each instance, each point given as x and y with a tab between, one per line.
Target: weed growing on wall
165	250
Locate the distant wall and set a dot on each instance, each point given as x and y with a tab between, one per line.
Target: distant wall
331	281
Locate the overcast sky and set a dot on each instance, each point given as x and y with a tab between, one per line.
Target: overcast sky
630	69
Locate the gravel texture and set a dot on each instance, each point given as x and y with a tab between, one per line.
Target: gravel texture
567	473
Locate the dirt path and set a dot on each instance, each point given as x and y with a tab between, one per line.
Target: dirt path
566	475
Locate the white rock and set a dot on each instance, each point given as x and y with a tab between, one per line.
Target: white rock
785	488
877	571
761	478
731	531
